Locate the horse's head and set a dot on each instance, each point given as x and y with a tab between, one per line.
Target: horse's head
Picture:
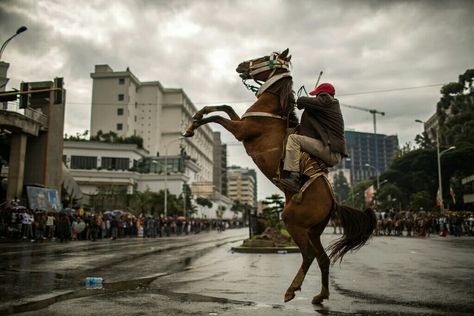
262	68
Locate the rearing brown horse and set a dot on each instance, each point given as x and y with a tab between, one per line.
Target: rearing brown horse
262	130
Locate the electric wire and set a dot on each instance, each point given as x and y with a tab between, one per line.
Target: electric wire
253	100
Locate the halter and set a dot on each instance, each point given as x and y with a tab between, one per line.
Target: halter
273	63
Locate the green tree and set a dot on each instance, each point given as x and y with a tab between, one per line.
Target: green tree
144	200
79	137
356	194
203	202
220	211
185	198
422	200
243	208
112	137
455	111
424	141
275	204
341	186
390	196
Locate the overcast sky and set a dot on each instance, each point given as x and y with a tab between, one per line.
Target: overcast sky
361	46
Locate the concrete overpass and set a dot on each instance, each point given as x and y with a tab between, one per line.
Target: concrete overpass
36	143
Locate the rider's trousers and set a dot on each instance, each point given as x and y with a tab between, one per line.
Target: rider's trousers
315	147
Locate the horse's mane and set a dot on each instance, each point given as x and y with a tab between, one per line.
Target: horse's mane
287	99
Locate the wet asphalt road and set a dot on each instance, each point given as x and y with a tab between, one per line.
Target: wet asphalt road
199	275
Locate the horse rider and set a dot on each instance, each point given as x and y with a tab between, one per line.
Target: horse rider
320	133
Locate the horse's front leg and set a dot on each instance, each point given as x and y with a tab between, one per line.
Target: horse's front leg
198	117
209	109
237	127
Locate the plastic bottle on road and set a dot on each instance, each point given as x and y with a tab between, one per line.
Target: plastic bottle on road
94	282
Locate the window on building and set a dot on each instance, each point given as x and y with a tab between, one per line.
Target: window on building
119	126
121	97
120	111
135	118
112	163
83	162
122	81
136	104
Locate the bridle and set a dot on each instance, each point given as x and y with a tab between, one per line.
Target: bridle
273	63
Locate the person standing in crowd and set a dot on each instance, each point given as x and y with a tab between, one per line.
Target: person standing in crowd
27	222
93	228
63	228
50	225
40	226
114	228
74	228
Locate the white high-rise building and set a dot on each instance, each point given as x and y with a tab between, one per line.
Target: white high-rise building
123	104
242	185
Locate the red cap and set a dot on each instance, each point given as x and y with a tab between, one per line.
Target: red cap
324	87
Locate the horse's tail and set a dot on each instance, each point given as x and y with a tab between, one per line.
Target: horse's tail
358	227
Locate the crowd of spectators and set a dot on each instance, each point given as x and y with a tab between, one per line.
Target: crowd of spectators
408	223
20	223
421	224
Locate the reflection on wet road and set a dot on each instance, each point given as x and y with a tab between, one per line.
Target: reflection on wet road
199	275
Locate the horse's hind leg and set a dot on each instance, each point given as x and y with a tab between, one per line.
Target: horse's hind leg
323	261
301	238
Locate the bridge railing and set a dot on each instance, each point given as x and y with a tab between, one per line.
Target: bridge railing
37	115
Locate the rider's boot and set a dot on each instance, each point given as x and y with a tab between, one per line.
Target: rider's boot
292	181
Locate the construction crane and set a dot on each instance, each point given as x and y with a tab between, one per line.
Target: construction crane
371	111
374	115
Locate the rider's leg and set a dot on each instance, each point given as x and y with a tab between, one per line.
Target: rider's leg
316	148
292	163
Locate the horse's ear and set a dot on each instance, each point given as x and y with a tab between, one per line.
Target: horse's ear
284	53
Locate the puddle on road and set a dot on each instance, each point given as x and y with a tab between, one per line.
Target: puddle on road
43	301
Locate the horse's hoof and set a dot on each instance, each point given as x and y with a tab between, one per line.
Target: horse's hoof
198	116
318	299
188	134
289	296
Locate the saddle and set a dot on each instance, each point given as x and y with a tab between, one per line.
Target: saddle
311	168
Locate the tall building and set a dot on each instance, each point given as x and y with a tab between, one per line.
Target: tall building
362	157
242	185
123	104
220	164
431	126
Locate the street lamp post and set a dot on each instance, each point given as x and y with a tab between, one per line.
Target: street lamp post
441	204
376	174
166	172
439	154
4	66
4	45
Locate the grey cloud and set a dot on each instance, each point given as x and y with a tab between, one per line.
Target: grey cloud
360	45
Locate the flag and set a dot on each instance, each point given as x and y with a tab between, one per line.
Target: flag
453	196
438	198
369	195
